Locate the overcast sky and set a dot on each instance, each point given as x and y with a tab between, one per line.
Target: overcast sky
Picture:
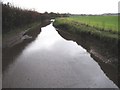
69	6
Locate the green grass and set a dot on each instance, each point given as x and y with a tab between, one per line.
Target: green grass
107	23
91	25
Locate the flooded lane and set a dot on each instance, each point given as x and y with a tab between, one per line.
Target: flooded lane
53	62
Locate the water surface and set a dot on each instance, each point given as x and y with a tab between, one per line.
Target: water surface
50	61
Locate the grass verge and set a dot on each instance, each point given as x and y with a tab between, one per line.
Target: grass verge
80	28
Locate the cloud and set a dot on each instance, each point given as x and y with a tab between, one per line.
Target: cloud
71	6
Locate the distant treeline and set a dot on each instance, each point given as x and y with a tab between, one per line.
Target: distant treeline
14	17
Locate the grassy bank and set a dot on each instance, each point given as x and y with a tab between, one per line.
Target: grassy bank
15	35
97	26
18	30
109	39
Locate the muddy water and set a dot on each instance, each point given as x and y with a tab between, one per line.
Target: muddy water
50	61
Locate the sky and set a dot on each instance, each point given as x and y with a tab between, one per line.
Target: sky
69	6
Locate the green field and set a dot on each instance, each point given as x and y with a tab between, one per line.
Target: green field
103	27
107	23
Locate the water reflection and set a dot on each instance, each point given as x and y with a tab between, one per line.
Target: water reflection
99	50
53	62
